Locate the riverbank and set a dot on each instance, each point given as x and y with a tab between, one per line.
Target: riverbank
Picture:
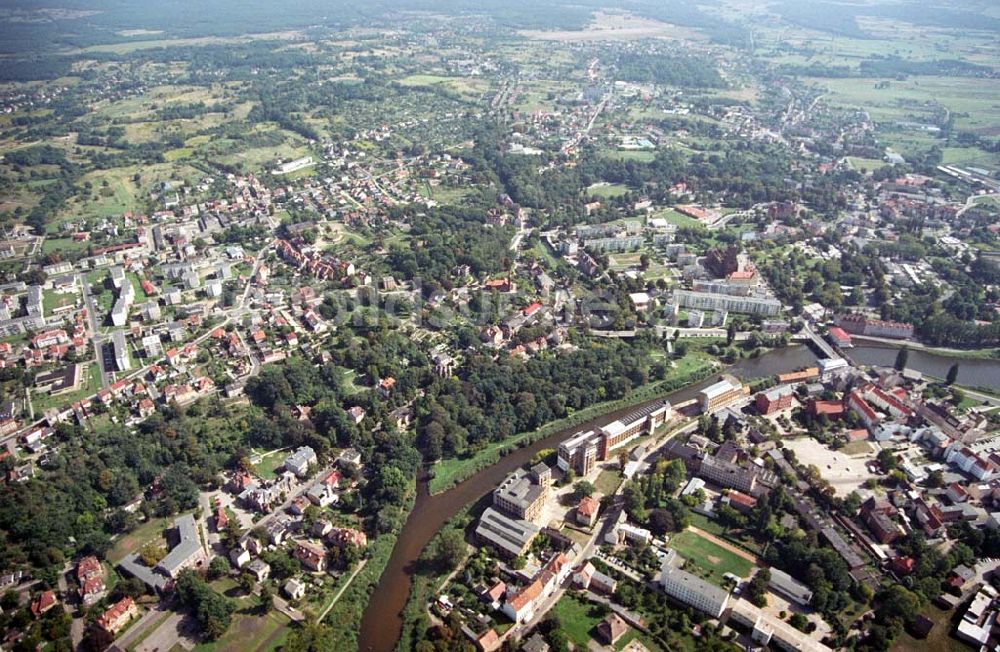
969	354
691	368
343	617
978	373
426	584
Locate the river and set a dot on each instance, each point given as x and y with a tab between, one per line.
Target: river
382	624
972	372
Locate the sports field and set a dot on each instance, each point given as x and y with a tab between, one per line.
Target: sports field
707	559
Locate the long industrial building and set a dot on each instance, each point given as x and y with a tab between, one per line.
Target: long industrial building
730	303
584	449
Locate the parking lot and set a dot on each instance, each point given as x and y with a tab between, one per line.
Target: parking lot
844	473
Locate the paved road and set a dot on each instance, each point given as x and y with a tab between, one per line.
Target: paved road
136	631
819	341
96	339
282	605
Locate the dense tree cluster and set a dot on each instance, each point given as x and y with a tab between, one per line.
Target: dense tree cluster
495	399
212	610
446	237
670	69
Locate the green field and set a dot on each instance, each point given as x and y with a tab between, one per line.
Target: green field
608	482
52	300
970	102
940	638
607	190
126	544
64	246
677	218
578	618
112	193
707	559
251	632
640	155
867	164
269	463
469	89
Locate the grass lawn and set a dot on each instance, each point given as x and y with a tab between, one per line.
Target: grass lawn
640	155
136	285
608	189
633	634
674	217
608	482
711	526
707	559
52	300
126	544
940	638
250	632
579	619
64	246
856	448
270	462
868	164
968	402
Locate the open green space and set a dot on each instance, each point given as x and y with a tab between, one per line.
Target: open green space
579	619
52	300
607	190
856	448
707	559
939	639
64	246
867	164
674	217
270	463
131	542
251	632
640	155
608	481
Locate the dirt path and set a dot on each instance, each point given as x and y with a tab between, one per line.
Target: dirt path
722	543
341	591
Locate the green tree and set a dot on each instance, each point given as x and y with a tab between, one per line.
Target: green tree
901	358
756	591
451	549
266	598
247	583
582	489
217	568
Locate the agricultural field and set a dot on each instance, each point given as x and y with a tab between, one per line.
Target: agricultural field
468	88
